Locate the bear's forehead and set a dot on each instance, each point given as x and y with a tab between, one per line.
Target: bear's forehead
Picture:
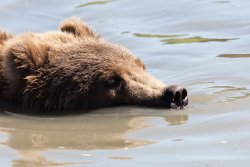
97	54
110	52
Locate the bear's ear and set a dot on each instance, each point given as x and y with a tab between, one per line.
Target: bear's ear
4	36
77	27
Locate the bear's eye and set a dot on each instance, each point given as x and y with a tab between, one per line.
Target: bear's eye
113	82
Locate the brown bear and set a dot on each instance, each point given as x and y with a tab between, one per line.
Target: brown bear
75	68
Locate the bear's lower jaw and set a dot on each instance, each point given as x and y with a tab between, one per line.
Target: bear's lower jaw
162	104
183	104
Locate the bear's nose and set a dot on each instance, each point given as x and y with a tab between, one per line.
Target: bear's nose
176	96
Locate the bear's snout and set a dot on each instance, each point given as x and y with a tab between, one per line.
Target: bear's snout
175	96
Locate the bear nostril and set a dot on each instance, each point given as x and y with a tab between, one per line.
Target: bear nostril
169	94
184	94
176	96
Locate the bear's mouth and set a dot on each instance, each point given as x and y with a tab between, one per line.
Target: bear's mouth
180	104
161	103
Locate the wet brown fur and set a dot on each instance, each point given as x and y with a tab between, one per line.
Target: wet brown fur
3	37
72	68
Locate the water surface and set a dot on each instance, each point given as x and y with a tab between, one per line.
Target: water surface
201	44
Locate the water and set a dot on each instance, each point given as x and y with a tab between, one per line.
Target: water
201	44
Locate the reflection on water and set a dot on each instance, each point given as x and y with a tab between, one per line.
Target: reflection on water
175	39
224	89
37	160
3	137
231	93
93	3
32	135
195	39
234	55
125	32
176	120
121	158
155	35
222	1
